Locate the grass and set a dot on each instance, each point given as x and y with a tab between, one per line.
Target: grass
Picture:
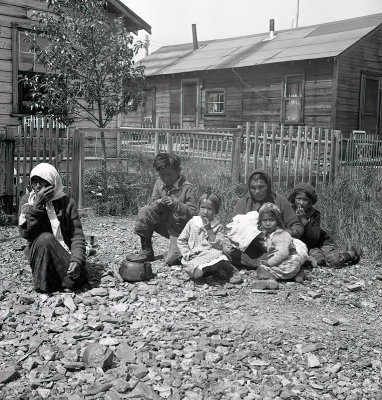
350	205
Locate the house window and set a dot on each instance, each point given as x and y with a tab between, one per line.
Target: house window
370	104
216	102
24	63
293	99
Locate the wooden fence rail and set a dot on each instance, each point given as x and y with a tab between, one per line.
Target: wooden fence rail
289	154
22	149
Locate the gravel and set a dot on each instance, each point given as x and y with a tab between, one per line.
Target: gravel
174	338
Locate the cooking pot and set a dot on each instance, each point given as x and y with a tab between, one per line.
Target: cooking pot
135	268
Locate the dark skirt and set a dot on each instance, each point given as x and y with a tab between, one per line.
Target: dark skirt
49	262
248	259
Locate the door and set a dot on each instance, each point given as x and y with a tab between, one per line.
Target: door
370	106
189	106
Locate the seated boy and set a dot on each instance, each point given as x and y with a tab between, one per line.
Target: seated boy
323	250
172	205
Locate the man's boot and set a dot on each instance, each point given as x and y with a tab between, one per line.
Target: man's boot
173	255
147	248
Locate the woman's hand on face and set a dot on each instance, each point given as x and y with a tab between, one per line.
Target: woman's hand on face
43	195
300	210
74	270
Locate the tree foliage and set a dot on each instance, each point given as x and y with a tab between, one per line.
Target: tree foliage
89	58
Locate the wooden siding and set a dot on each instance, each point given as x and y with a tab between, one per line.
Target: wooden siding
251	94
175	102
16	11
11	11
364	57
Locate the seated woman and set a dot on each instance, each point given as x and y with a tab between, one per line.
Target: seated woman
49	220
259	193
323	250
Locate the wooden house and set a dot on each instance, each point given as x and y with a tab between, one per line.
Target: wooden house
17	58
325	75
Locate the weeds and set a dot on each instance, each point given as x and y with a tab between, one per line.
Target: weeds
350	206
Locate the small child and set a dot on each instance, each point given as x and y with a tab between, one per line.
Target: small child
201	243
172	205
283	262
322	248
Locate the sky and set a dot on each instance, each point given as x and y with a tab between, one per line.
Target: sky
171	20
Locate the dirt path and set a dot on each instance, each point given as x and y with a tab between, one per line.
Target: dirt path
176	339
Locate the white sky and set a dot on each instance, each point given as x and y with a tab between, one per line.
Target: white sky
171	20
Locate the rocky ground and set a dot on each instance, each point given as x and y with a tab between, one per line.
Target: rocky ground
173	338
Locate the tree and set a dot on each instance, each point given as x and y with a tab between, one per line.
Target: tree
89	59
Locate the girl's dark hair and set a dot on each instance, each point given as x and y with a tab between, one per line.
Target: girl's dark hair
208	195
164	160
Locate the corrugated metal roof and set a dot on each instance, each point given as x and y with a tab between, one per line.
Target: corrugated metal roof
317	41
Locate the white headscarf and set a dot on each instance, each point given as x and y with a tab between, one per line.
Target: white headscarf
49	173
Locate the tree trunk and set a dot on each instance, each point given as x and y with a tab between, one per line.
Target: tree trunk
103	146
103	170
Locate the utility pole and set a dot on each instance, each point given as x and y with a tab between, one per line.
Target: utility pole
297	12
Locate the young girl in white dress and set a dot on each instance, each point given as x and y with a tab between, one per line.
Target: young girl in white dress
201	243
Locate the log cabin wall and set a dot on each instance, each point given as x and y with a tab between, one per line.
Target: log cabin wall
365	57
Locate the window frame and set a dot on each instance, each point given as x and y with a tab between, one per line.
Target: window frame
16	28
217	91
285	99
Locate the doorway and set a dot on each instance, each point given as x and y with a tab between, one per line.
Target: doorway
370	105
189	103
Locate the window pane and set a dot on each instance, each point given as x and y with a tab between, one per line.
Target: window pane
292	110
293	86
293	89
27	58
215	102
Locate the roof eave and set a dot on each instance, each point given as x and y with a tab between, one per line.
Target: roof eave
137	22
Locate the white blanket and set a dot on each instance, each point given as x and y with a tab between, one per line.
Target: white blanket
243	229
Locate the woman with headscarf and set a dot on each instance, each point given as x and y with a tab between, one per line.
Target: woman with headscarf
260	192
323	250
49	220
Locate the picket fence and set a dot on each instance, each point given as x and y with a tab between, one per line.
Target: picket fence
289	154
23	147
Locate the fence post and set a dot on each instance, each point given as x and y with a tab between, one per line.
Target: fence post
119	146
77	168
169	143
247	149
236	148
156	143
8	169
337	153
